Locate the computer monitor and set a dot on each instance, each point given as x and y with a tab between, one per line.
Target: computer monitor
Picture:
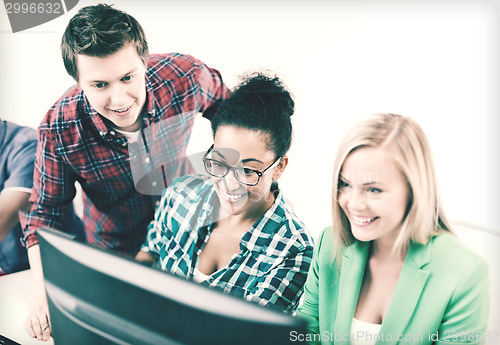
98	297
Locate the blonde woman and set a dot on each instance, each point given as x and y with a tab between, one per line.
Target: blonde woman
390	269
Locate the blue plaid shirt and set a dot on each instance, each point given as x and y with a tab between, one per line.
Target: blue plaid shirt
275	253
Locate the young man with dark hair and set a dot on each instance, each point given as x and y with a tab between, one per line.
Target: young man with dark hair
122	94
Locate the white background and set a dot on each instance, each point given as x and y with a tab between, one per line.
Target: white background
434	61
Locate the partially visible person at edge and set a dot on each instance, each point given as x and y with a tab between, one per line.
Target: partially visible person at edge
391	267
121	91
232	230
17	161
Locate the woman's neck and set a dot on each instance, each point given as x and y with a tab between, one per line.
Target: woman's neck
383	250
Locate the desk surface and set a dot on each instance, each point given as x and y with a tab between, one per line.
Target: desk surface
15	303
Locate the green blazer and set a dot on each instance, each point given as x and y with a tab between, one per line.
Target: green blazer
442	293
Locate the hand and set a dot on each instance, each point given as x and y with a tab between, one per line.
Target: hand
145	258
38	321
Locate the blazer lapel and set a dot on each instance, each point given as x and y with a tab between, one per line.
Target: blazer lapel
410	284
351	275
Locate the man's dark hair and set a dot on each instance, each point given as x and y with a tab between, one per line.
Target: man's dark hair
100	31
260	103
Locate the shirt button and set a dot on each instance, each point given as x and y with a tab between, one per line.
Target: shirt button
154	183
147	160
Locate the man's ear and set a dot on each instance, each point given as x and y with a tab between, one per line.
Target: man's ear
280	168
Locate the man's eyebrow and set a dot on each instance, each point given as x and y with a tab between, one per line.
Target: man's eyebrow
130	72
94	81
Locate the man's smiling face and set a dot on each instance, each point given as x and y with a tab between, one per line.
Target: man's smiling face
115	86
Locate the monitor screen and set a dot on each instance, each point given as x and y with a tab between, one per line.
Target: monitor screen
98	297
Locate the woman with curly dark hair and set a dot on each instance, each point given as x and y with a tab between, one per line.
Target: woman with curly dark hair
231	229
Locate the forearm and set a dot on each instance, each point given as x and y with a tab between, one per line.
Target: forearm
7	223
36	269
38	321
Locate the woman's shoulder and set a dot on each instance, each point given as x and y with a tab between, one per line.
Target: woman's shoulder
449	256
447	245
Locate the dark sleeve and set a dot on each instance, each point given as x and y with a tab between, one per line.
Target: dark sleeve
21	160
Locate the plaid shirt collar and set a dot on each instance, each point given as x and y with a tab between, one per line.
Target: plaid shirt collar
258	237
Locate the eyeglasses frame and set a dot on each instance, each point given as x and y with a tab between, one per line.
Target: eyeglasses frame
230	168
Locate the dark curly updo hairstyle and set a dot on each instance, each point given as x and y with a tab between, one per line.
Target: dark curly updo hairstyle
260	103
99	31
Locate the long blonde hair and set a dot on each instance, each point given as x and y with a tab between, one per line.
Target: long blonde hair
405	141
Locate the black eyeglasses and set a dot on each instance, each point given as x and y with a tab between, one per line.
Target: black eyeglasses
247	176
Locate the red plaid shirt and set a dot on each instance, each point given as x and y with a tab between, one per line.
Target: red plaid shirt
75	144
